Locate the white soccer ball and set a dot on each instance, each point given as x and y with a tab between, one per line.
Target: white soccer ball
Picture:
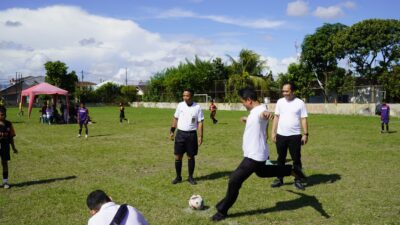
196	202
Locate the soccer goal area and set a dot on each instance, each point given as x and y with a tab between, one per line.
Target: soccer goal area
202	98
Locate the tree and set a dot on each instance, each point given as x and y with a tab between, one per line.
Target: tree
109	93
302	78
128	93
372	46
391	83
319	55
246	71
56	74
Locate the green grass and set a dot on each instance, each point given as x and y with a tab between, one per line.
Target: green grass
353	172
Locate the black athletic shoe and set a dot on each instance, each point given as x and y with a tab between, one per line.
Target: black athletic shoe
192	181
299	185
177	180
277	183
218	217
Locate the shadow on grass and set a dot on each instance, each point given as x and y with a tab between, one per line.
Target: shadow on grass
214	176
99	135
29	183
303	201
316	179
392	131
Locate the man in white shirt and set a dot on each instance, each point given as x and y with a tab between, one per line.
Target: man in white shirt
103	211
290	117
188	118
255	152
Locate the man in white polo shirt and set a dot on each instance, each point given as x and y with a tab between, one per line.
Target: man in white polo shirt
188	118
104	211
255	152
290	117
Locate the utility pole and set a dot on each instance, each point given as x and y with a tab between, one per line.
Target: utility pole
82	76
126	76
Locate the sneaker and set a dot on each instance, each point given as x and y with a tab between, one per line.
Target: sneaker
277	183
299	185
382	131
86	136
6	186
79	136
192	181
218	217
177	180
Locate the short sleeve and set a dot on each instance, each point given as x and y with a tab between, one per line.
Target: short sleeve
304	113
176	114
200	116
277	110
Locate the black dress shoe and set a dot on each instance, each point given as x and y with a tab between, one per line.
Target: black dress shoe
177	180
218	217
277	183
299	185
192	181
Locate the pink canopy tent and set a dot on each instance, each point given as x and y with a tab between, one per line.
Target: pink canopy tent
43	89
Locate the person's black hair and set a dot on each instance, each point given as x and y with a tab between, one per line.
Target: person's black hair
190	91
248	93
292	86
96	199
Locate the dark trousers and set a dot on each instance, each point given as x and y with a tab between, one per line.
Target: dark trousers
245	169
293	143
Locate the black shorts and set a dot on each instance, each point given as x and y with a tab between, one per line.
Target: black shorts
186	142
5	152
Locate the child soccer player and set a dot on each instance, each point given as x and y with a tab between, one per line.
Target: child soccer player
7	134
122	113
213	111
385	114
83	119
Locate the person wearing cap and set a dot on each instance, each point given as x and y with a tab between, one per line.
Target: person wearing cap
188	119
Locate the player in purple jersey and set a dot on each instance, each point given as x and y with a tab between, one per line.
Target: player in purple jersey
385	113
83	119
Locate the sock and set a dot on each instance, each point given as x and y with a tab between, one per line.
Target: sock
80	131
382	127
191	164
387	127
5	181
178	168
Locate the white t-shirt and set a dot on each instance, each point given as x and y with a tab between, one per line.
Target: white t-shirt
188	116
107	212
290	114
254	138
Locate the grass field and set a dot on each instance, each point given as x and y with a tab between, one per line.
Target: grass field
353	172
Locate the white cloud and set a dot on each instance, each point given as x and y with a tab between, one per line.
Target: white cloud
297	8
243	22
330	12
335	11
279	65
101	46
349	5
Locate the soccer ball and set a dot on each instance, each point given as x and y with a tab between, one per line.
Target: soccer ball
196	202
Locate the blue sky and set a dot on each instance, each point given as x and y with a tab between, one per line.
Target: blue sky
106	39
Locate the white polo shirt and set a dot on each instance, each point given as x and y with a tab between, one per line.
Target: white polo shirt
290	114
254	138
107	212
188	116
